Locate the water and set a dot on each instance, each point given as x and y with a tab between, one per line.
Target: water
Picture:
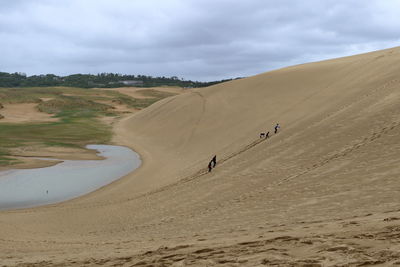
66	180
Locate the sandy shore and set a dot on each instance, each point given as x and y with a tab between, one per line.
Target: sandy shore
27	156
321	192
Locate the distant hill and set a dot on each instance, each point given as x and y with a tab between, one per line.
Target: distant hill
102	80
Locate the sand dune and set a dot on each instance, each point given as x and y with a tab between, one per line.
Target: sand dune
321	192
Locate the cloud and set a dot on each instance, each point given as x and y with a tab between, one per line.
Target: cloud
201	40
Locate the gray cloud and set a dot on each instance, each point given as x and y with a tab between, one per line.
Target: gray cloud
193	39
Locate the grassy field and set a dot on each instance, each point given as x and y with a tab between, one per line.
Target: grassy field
78	112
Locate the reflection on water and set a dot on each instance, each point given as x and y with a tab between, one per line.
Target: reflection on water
67	180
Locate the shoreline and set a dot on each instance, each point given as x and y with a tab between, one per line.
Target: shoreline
32	159
69	180
119	138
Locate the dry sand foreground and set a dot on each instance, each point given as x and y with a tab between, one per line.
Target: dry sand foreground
322	192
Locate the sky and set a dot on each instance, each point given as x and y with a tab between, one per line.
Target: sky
200	40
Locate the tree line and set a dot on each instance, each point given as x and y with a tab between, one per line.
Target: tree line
101	80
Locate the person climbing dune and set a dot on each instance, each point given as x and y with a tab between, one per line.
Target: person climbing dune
277	126
214	161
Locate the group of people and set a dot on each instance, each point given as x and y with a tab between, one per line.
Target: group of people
213	161
266	135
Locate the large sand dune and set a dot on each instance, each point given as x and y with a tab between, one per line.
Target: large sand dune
323	191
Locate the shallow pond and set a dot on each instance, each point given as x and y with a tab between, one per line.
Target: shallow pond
66	180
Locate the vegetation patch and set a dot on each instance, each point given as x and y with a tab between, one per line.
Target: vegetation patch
67	106
155	93
78	112
152	96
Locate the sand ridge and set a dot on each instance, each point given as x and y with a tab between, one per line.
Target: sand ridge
321	192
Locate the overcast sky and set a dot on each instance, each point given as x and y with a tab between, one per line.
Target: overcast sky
192	39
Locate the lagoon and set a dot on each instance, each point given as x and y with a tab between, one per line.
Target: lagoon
69	179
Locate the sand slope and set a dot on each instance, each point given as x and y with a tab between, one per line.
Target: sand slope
323	191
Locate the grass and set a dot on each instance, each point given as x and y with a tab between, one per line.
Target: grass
155	93
73	106
77	109
140	103
69	132
4	160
